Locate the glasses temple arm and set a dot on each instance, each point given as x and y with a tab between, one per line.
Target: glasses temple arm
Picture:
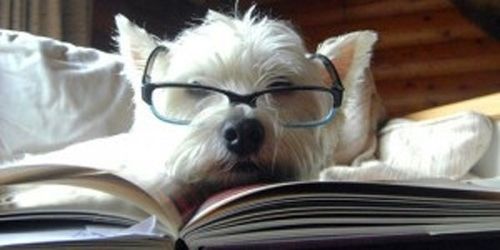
146	78
332	71
334	75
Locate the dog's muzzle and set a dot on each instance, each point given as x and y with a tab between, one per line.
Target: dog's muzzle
243	136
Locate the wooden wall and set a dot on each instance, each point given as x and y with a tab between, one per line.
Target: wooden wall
428	54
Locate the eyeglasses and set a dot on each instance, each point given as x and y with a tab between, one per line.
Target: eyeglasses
294	106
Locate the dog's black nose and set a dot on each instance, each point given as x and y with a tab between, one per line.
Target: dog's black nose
243	136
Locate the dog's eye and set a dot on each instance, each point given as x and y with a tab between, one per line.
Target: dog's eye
280	83
198	93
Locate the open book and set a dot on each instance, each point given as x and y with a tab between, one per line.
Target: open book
315	214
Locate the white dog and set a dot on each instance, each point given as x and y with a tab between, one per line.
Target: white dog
231	101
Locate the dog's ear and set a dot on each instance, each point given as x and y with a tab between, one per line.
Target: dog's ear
362	108
350	53
134	44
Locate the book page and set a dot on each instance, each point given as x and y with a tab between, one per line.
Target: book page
94	179
142	235
215	202
342	208
54	201
254	193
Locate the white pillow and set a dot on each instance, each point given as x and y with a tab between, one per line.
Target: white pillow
53	94
442	147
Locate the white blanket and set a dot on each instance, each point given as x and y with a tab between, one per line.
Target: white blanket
53	94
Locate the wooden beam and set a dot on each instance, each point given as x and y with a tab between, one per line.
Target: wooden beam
404	96
437	59
456	48
408	30
462	82
348	11
422	68
488	105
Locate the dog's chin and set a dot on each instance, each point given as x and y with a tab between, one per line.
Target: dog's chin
247	173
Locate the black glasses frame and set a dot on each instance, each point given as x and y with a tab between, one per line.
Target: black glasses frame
148	87
233	97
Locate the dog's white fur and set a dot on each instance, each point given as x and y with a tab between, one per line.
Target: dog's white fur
239	54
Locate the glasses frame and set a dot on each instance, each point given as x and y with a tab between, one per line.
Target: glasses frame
336	90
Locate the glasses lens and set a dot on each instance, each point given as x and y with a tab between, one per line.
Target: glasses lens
299	107
182	104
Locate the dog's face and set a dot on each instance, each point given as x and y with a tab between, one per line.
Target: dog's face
234	143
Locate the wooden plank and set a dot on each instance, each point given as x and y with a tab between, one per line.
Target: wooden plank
402	97
437	59
438	88
405	103
445	83
422	68
337	12
394	109
408	30
398	108
456	48
488	105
